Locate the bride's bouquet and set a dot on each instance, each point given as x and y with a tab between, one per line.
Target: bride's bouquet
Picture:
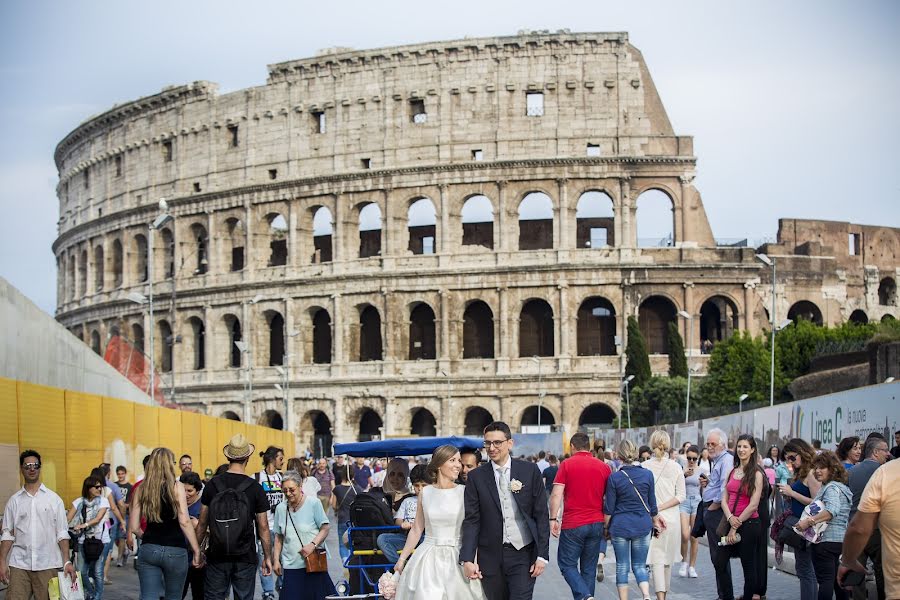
387	585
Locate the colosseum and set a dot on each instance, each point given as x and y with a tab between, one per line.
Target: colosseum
420	239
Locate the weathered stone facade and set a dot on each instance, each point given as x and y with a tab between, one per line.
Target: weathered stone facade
381	321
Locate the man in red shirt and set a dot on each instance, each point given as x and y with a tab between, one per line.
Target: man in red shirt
581	483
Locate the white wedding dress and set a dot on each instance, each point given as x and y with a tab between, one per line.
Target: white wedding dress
433	571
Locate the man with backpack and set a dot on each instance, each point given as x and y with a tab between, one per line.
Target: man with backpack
232	502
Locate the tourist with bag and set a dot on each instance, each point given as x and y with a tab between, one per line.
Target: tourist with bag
691	512
631	515
740	505
301	528
824	522
799	455
88	515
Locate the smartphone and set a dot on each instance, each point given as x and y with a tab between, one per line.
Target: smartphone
656	534
854	579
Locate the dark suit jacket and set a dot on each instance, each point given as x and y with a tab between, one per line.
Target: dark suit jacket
482	528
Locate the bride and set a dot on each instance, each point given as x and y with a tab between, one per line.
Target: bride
433	572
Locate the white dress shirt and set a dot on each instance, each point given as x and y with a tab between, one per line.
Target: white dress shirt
35	525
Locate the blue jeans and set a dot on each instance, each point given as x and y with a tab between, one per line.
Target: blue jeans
162	571
803	564
345	551
631	552
92	571
580	544
220	576
391	544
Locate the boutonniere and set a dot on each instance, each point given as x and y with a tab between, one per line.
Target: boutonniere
515	486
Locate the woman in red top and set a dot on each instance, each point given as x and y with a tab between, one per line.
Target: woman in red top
740	500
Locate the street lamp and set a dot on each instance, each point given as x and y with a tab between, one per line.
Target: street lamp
244	349
741	402
765	259
161	219
537	359
627	399
283	390
449	394
687	400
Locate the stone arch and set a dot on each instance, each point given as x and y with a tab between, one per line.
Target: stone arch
478	330
195	345
272	419
323	235
887	317
277	236
140	258
421	332
98	268
137	336
859	317
83	271
805	310
536	329
530	416
95	342
196	252
595	220
597	413
230	415
370	425
423	423
887	292
478	221
235	334
275	348
718	319
596	327
654	315
476	419
421	219
236	236
166	253
317	425
655	218
117	259
164	346
535	221
321	336
370	342
370	225
71	283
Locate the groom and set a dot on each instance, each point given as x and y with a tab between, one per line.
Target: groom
507	521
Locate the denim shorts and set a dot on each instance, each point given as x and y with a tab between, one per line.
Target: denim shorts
689	505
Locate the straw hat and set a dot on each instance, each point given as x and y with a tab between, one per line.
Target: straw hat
238	448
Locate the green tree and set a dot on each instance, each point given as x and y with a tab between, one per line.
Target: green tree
659	400
637	360
797	344
738	365
678	366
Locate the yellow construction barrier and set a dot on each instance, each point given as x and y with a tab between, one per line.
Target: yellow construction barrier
75	432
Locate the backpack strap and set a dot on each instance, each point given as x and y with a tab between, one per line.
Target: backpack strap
244	485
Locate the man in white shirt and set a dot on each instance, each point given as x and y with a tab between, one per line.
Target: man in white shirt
35	539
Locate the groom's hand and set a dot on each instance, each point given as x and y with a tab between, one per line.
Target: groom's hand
471	570
537	568
554	527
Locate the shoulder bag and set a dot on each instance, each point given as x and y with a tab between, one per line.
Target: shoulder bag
656	531
317	560
92	546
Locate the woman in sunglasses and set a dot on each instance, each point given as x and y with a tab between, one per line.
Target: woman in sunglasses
799	455
89	512
688	510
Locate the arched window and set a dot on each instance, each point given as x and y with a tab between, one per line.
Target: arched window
71	281
369	230
323	230
197	344
83	272
595	415
320	425
137	337
596	327
595	221
237	237
278	243
321	350
806	311
718	319
859	317
230	415
536	329
477	419
370	347
95	342
167	248
140	257
272	419
200	249
478	331
654	316
117	263
423	423
422	221
536	222
655	220
275	325
421	333
478	222
530	416
233	326
887	292
99	268
370	425
165	346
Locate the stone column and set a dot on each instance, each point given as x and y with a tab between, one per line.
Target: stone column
628	229
389	427
444	354
503	226
293	249
444	244
692	323
212	246
389	234
339	233
564	351
502	340
562	241
339	424
337	335
749	288
210	348
687	233
249	229
388	328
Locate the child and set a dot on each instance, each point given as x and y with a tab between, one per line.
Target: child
391	543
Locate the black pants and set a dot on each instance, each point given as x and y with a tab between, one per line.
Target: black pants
748	551
194	581
720	556
825	556
872	552
514	580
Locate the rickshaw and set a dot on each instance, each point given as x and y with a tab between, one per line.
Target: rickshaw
362	563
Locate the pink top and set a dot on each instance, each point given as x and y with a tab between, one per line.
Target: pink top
733	486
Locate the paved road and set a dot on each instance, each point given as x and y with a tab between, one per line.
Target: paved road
550	586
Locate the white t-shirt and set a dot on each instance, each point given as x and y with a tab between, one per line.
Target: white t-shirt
407	510
271	485
101	529
311	487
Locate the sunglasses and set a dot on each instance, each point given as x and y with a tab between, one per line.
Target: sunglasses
494	443
692	459
97	487
791	457
31	466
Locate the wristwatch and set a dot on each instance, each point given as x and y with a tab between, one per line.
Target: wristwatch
554	519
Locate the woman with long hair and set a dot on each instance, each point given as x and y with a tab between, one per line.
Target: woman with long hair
89	512
688	510
799	455
835	498
740	504
668	478
433	570
162	502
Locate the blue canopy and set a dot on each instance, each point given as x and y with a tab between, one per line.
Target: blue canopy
407	446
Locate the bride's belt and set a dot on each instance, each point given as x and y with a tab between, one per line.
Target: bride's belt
441	541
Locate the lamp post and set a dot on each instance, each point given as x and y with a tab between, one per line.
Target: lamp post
627	398
537	359
741	402
449	395
687	400
245	348
765	259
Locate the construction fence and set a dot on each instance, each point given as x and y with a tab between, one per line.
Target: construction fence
75	432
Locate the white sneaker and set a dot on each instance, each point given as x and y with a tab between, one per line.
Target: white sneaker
693	573
682	572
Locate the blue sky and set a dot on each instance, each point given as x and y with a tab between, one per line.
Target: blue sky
793	105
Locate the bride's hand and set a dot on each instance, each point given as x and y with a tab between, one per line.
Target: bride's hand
398	568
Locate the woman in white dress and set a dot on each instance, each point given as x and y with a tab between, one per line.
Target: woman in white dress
665	550
433	571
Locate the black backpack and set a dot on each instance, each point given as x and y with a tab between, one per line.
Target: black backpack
370	509
230	520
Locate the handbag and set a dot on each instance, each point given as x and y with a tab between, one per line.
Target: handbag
814	534
724	526
317	560
93	547
699	528
788	536
63	588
